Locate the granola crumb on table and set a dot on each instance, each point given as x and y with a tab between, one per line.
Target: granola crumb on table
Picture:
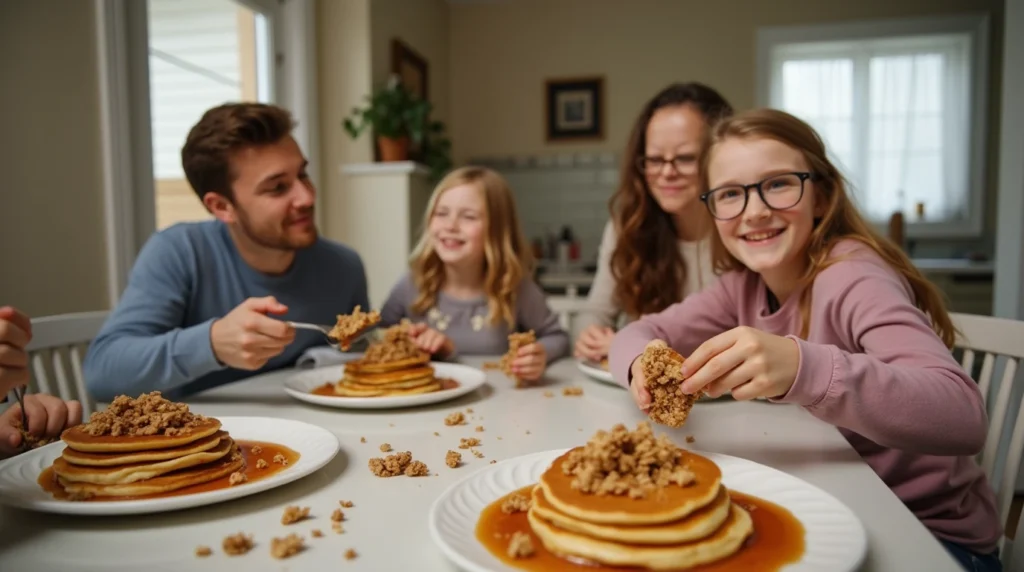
350	554
316	533
385	447
456	418
572	391
237	544
285	547
293	514
467	442
453	459
346	504
203	551
338	515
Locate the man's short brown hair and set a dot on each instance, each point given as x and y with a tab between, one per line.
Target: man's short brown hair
221	132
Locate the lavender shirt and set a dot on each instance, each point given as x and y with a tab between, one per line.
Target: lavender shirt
872	366
465	321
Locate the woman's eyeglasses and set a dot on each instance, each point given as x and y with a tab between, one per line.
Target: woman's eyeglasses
778	192
653	165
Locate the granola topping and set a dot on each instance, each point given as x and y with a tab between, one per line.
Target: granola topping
349	326
237	478
261	464
280	460
515	503
237	544
149	414
623	462
256	449
520	545
395	346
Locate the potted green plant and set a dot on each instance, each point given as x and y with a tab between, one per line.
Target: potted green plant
403	128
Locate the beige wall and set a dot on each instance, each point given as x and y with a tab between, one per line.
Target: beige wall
501	53
423	25
343	78
52	253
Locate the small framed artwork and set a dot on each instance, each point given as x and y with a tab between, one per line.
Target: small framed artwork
410	67
574	109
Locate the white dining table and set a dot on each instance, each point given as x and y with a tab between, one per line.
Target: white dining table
387	526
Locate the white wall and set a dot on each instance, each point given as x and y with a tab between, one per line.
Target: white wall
1009	284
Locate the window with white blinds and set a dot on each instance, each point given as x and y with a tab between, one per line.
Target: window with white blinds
201	54
900	106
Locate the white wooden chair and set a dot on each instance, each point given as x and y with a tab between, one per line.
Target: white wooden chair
57	343
998	342
567	308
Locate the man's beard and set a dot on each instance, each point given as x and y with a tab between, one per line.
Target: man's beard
279	240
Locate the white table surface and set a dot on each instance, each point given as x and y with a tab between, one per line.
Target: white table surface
388	524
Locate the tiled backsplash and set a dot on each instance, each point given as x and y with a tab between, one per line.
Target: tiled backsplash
553	191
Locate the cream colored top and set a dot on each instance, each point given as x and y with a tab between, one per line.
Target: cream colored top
602	309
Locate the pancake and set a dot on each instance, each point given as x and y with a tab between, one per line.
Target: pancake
78	439
125	474
395	385
664	505
698	524
164	483
362	367
110	459
349	391
724	542
411	374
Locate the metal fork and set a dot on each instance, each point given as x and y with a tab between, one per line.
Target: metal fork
19	394
326	331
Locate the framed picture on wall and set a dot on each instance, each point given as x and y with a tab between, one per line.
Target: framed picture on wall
574	109
410	67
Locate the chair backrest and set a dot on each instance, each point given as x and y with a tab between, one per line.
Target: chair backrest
996	340
57	343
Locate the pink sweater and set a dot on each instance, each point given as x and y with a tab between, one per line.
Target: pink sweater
872	366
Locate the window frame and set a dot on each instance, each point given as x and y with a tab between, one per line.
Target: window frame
976	26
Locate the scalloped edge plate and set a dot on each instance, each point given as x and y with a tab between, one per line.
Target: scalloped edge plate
300	385
316	447
835	538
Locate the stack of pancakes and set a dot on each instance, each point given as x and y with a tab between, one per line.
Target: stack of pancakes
391	367
410	376
100	462
672	527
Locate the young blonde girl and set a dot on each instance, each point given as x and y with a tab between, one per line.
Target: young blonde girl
470	281
815	308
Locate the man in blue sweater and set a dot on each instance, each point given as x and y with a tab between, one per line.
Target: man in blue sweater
206	302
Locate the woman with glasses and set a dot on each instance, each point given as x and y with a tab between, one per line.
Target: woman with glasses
654	250
814	307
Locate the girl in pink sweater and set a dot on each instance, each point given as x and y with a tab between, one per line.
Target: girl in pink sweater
814	307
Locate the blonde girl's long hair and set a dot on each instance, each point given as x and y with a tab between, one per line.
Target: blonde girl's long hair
508	259
841	221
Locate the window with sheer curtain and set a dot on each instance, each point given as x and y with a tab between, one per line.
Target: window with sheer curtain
900	113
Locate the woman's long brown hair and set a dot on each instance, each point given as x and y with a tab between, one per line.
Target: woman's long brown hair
841	221
648	269
508	259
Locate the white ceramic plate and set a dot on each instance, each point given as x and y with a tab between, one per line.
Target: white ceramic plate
834	536
315	446
595	371
301	384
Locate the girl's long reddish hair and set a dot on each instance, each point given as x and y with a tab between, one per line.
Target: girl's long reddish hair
841	221
508	259
648	269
